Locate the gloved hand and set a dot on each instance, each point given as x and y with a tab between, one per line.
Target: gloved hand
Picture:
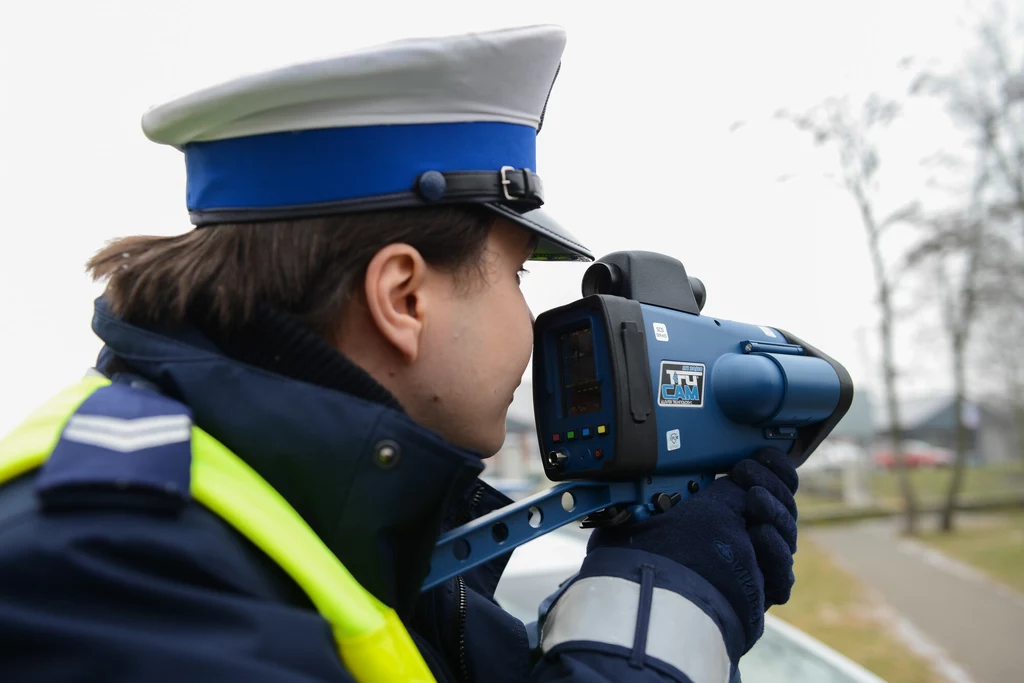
738	534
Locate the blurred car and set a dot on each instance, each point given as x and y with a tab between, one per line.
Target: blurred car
916	454
834	455
784	653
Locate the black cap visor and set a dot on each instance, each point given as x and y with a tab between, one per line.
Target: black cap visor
555	243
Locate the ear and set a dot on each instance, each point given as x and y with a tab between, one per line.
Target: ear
394	284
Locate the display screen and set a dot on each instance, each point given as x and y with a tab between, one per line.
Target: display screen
581	392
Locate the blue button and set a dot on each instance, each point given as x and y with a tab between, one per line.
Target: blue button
586	432
432	185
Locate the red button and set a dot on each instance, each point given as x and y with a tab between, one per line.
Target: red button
598	454
556	438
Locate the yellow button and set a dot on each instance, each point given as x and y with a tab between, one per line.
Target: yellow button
601	429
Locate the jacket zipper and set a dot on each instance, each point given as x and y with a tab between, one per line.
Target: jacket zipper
478	494
474	500
463	663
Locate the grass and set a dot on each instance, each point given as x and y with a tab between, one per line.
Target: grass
932	484
811	501
992	543
832	606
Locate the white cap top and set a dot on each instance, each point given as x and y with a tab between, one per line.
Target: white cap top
503	76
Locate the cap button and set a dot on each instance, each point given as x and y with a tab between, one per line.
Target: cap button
386	454
432	185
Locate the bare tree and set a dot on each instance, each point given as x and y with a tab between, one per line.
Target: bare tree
836	124
1000	352
985	97
956	249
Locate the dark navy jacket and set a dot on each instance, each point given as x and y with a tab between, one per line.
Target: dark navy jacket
112	585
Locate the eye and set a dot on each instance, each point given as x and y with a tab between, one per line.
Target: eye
523	272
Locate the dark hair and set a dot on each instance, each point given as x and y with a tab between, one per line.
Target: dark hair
308	267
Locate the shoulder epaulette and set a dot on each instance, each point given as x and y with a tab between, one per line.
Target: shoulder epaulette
122	438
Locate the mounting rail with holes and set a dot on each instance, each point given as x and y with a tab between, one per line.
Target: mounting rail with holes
507	528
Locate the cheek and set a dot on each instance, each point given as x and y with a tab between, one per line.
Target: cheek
519	330
490	341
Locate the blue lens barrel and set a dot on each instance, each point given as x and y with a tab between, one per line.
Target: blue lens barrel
766	389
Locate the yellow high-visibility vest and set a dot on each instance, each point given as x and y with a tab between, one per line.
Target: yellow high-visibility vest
372	641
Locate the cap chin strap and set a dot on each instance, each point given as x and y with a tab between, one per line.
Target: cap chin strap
521	189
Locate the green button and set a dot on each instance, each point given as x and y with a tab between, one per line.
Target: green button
570	435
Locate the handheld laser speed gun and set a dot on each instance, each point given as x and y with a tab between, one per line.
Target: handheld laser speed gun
640	401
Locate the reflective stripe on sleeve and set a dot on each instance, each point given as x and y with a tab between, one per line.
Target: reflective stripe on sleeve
604	609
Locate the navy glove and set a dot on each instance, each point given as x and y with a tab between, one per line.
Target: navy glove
738	534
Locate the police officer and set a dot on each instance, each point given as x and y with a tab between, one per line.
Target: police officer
293	400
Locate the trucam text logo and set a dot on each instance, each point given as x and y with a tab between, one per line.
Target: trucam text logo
682	384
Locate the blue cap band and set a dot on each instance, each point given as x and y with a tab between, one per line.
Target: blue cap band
339	164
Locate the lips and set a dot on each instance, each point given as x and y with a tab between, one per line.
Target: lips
512	400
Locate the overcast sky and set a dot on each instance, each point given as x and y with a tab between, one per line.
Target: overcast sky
647	95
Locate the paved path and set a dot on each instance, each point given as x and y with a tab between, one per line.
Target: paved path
979	624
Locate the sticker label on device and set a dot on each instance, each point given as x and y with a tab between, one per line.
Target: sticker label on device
682	384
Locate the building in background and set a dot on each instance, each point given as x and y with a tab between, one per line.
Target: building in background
931	421
928	428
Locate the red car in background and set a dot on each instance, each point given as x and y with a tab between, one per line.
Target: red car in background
916	454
